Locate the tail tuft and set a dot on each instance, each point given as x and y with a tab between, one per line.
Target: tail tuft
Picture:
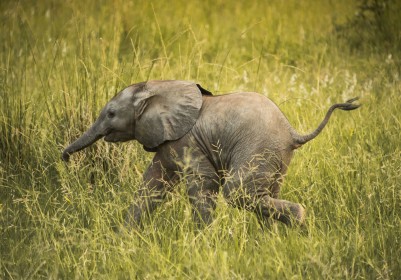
348	106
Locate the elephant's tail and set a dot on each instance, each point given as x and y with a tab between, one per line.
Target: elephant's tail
347	106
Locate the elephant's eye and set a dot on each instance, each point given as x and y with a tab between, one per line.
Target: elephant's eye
111	114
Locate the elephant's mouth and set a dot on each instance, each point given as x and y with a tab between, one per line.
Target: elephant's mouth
116	136
111	137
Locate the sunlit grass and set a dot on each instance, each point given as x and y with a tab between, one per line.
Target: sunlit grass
61	62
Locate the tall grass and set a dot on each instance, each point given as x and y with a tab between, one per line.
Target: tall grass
60	61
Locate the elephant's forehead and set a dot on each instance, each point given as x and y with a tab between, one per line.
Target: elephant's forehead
128	92
125	93
133	89
117	102
124	96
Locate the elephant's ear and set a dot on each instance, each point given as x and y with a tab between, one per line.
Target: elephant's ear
168	110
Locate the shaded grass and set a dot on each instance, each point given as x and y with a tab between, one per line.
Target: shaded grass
61	62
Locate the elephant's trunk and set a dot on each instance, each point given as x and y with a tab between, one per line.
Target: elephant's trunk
87	139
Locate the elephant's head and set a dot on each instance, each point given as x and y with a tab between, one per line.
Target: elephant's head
151	112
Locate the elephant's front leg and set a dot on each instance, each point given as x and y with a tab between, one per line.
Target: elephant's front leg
202	192
156	181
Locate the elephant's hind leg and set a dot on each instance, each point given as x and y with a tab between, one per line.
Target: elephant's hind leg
289	213
257	192
268	204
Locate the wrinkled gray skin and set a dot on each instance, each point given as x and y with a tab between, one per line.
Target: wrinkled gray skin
241	142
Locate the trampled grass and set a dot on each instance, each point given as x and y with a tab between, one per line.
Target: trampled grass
60	61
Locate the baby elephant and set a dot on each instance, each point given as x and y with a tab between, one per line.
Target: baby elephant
240	141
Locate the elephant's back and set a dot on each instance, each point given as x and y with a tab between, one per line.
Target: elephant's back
247	111
242	125
261	118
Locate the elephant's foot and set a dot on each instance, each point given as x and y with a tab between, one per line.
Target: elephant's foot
299	214
289	213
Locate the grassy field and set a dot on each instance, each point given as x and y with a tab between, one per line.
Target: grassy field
60	61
